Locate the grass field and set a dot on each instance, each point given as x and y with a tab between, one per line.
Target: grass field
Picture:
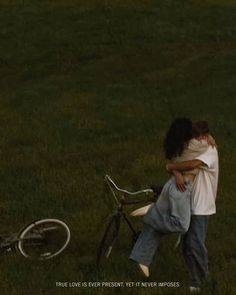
90	87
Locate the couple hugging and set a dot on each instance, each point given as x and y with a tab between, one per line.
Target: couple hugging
186	201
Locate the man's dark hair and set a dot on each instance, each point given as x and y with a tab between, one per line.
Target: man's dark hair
200	128
177	137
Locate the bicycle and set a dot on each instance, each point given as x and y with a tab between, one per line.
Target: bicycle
40	240
112	229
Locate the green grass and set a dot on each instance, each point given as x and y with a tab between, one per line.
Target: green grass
89	88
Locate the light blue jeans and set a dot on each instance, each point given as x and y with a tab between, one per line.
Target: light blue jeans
195	251
146	245
193	243
172	211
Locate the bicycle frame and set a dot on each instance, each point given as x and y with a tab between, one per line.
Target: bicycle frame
112	229
123	200
7	243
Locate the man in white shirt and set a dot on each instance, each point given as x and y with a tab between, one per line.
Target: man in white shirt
202	206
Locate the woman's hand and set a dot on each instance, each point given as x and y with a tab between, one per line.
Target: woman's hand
179	179
169	168
209	139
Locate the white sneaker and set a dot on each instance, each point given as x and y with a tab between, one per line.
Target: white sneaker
144	269
194	289
141	211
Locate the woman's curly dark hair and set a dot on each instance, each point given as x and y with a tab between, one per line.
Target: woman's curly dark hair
177	137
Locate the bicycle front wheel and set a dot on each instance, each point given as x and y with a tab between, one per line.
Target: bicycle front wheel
43	239
108	240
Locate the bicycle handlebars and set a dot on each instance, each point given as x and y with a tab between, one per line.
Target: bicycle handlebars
109	180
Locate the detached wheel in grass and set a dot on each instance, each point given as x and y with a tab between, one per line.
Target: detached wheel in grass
108	240
43	239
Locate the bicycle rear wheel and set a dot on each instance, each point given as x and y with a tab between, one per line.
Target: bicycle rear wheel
108	240
43	239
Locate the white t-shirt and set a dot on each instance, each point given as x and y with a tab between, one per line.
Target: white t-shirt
205	184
